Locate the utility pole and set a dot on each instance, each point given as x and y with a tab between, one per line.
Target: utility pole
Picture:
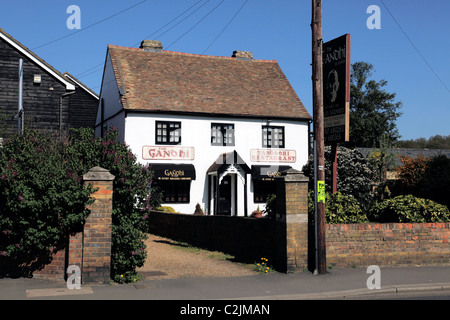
317	41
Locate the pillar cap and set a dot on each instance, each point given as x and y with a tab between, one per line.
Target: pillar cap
98	174
293	175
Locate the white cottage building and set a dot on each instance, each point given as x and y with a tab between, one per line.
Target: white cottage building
216	130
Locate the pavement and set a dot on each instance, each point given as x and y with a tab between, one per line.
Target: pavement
337	283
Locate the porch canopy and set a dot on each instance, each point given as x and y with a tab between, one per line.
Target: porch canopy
227	163
173	171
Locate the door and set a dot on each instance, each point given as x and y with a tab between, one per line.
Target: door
225	196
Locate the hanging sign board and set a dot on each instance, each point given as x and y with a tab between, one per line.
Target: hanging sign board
336	89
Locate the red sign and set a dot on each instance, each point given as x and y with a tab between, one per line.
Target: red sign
273	155
167	153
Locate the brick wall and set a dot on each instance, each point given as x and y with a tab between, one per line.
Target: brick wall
292	231
387	244
60	260
90	248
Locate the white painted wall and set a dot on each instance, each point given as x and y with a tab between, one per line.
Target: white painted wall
111	99
139	131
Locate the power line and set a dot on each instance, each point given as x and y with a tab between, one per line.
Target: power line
196	24
90	26
87	73
226	26
414	46
177	18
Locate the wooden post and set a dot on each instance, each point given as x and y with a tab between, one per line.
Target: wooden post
317	41
334	168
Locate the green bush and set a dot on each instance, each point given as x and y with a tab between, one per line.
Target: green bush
42	200
354	175
408	209
271	206
343	209
435	184
427	178
133	197
339	208
166	209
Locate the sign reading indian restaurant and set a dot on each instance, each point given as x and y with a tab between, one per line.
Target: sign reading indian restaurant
167	153
273	155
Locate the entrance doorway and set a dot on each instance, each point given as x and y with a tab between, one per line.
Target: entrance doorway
223	177
225	196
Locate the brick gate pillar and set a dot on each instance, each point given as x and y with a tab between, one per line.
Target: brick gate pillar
97	232
292	220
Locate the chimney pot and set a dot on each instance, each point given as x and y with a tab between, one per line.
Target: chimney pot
242	55
151	45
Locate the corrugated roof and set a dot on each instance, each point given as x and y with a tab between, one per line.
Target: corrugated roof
168	81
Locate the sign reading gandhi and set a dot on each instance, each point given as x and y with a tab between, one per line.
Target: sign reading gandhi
336	89
167	153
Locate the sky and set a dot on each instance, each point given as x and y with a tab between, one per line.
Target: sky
410	50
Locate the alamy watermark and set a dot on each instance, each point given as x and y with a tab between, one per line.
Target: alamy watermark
74	20
374	281
74	280
374	20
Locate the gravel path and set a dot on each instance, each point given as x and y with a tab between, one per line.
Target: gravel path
166	261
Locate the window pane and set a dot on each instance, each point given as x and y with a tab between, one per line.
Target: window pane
168	132
273	137
222	134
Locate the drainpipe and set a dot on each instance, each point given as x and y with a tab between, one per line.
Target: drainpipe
60	110
20	113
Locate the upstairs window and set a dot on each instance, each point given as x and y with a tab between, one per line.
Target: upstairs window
272	137
222	134
168	132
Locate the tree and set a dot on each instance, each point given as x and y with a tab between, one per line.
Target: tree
42	201
134	196
354	175
43	198
434	142
425	178
373	111
435	184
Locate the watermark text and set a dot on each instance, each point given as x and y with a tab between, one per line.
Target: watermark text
374	20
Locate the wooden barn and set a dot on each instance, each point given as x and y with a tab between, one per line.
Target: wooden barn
52	101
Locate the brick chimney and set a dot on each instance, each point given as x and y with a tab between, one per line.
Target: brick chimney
242	55
151	45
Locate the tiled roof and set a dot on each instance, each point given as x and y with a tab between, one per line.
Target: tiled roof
168	81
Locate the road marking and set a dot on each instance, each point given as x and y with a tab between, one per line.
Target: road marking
33	293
